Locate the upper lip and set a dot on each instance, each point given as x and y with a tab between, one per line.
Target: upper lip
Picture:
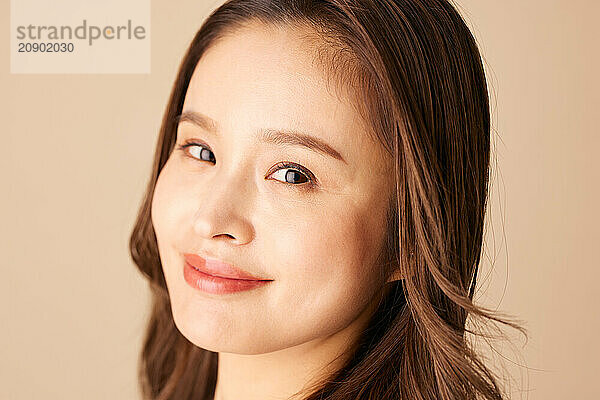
218	268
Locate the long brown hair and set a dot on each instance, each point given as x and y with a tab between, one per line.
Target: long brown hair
418	79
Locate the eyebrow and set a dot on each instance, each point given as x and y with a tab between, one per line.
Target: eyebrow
267	135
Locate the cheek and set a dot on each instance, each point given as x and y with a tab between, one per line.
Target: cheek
351	240
170	207
328	267
170	202
162	204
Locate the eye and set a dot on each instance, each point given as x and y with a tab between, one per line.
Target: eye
288	172
197	151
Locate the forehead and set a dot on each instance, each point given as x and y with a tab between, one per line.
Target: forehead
266	77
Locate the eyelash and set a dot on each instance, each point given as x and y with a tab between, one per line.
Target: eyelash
304	186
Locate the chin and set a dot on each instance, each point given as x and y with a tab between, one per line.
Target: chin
221	338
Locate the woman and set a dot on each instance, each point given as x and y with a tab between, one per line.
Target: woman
313	224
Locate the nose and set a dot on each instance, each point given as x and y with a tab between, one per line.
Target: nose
223	208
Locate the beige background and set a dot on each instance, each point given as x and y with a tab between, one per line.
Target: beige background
76	152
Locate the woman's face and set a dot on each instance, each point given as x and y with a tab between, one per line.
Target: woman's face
226	198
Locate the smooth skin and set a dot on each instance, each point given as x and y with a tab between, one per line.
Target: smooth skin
224	199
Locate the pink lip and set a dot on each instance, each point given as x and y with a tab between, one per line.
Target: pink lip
217	268
200	275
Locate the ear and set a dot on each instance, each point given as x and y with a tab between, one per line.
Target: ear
396	276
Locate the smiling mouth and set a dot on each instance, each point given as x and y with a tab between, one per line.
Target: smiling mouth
213	284
227	277
219	269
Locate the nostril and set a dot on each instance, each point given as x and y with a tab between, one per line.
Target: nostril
225	234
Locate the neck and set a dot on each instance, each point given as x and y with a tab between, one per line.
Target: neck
283	374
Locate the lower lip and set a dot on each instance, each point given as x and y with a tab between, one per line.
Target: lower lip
215	284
